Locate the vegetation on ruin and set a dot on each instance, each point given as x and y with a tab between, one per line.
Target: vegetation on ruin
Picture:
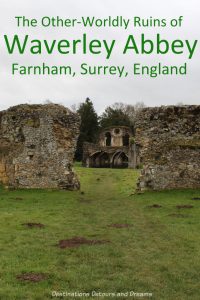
157	253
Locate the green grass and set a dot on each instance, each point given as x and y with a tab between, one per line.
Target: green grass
158	254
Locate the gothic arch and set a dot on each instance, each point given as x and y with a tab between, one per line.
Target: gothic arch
120	160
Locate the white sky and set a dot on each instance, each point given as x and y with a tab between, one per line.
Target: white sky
102	90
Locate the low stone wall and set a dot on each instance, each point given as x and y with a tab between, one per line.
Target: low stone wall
169	143
37	145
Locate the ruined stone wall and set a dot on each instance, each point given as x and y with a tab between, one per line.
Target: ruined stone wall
90	150
169	143
37	145
117	134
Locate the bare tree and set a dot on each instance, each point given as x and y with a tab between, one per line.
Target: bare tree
179	104
139	105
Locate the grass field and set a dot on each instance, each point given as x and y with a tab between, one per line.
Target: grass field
159	253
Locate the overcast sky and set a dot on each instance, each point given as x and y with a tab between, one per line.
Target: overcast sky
102	90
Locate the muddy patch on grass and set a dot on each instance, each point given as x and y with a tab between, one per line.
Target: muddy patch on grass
34	225
18	198
196	198
179	216
184	206
31	277
154	206
78	241
120	225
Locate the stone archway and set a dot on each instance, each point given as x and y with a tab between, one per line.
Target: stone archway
99	159
104	160
120	160
94	160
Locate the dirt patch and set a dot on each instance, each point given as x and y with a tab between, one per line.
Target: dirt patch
33	225
32	277
78	241
178	216
196	198
120	225
17	198
154	206
184	206
139	193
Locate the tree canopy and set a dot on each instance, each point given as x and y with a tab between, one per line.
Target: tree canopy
89	126
114	117
118	114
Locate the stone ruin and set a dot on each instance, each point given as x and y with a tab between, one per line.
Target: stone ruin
168	139
37	145
165	144
113	150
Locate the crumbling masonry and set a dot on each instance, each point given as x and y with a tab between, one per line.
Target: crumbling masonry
169	147
113	150
37	145
165	143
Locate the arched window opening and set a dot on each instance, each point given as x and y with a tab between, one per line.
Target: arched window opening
105	160
126	140
108	139
117	131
